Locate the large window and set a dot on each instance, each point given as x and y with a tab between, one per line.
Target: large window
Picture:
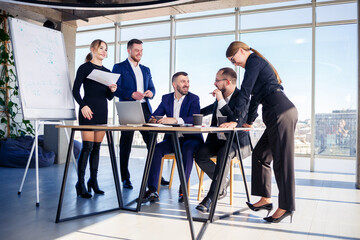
215	24
201	58
279	18
282	32
289	51
335	90
336	12
156	57
147	31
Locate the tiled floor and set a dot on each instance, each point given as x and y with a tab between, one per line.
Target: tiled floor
328	207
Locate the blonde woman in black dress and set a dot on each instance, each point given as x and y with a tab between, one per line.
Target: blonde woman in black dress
92	111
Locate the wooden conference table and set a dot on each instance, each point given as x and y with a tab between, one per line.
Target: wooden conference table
174	131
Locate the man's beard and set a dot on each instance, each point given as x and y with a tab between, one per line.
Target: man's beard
181	91
135	60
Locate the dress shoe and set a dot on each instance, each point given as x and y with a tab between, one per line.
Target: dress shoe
224	191
127	184
279	219
154	197
204	206
150	196
267	207
164	182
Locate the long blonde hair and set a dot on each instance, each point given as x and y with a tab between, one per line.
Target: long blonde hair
94	45
236	45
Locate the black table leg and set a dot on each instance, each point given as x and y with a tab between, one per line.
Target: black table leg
146	169
114	168
242	165
61	198
221	166
180	167
110	141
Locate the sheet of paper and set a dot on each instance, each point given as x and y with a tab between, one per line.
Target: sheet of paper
155	125
102	77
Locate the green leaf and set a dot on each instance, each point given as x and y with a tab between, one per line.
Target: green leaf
21	132
4	36
13	135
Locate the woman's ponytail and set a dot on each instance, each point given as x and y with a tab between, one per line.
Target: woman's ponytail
260	55
88	57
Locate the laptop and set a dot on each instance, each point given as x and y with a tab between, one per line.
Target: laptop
130	113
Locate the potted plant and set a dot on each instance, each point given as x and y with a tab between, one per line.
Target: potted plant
12	124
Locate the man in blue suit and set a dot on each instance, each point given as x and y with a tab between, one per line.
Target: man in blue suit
134	84
179	108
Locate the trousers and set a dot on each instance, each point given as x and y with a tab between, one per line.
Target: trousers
276	145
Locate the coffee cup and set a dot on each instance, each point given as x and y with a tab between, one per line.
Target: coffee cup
198	119
221	120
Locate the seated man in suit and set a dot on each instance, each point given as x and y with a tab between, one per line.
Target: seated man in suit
226	104
179	108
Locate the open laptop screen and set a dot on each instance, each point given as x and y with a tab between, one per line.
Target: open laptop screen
130	113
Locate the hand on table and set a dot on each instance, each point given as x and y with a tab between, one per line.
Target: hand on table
228	125
152	120
167	120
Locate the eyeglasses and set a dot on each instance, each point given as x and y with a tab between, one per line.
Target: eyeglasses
232	58
218	80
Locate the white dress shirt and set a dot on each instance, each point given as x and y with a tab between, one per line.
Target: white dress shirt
139	78
177	107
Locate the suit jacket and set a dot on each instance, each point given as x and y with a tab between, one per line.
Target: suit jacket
127	81
189	106
234	113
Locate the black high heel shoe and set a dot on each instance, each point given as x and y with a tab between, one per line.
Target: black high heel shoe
93	184
279	219
81	190
267	207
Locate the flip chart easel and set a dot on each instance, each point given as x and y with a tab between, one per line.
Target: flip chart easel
43	79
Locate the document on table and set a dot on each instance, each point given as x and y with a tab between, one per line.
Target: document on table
103	77
155	125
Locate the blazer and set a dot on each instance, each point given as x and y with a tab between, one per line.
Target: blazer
233	110
126	83
235	113
259	82
189	106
